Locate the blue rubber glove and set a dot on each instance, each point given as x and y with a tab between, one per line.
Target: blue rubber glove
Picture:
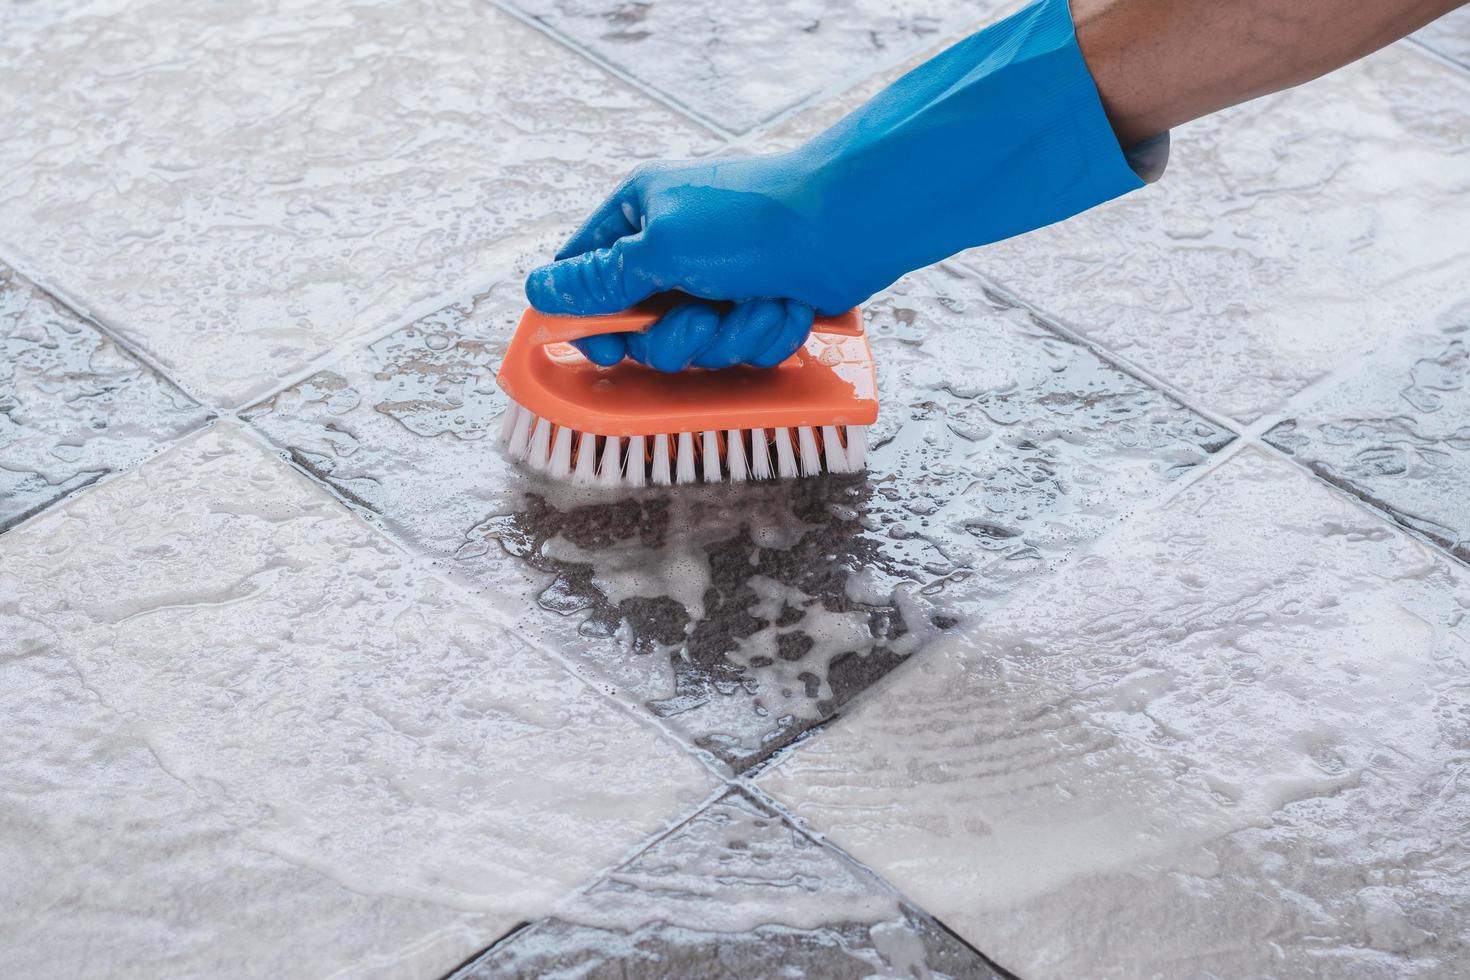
1002	133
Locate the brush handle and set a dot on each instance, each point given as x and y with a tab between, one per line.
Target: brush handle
563	329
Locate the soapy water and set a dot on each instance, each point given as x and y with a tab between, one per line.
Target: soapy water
736	891
742	615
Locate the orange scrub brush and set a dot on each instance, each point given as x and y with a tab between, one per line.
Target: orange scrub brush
629	425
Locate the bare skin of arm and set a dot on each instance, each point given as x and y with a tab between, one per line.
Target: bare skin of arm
1159	63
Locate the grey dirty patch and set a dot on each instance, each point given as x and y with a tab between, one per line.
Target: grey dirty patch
1397	435
744	615
73	405
735	892
1449	36
238	189
740	64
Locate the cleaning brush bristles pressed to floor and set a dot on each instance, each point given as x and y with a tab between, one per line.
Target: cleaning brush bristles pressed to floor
630	426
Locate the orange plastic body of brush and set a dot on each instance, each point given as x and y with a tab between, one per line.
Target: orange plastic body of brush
829	381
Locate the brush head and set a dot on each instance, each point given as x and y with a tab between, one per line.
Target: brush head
631	425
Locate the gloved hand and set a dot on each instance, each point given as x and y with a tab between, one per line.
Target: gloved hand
1002	133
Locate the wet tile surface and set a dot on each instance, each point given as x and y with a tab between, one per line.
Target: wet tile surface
1449	36
347	164
740	64
1229	743
743	615
73	406
1397	434
734	892
1288	238
220	669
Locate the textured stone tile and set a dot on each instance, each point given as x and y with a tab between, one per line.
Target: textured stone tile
1449	36
244	735
73	406
740	64
745	614
239	187
1288	237
1229	744
1397	434
735	892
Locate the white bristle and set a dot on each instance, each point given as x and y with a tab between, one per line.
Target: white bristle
833	454
520	439
661	474
508	421
684	469
635	469
785	457
539	453
735	454
561	454
760	455
857	448
711	456
811	460
586	471
610	473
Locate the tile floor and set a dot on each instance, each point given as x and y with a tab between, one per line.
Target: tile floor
1140	651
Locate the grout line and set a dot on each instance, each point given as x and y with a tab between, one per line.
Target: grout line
612	69
430	565
816	836
1427	49
1118	361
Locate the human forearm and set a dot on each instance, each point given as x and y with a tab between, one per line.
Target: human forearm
1159	63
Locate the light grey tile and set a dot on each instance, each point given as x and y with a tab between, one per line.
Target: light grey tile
1397	434
245	734
734	892
744	614
73	406
739	64
1289	236
1449	36
236	189
1226	744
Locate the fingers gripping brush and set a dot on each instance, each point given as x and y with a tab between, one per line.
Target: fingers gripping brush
629	425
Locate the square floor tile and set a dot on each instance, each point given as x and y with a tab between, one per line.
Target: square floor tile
1397	434
1449	36
73	406
739	64
734	892
245	734
744	614
1288	237
238	188
1227	743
